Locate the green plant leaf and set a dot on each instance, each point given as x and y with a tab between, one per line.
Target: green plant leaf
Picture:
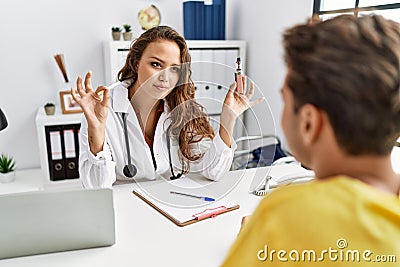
127	27
7	164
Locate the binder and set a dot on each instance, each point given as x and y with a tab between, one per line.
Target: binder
219	19
208	86
196	65
196	71
193	20
216	21
62	142
207	72
182	210
189	30
54	153
71	144
223	76
208	22
204	20
199	15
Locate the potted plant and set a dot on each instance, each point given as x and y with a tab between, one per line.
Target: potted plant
116	33
50	108
7	165
128	32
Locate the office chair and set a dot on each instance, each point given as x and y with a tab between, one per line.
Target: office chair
3	121
259	151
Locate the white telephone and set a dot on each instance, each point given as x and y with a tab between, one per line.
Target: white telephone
296	174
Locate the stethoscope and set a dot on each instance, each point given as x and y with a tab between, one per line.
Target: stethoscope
130	169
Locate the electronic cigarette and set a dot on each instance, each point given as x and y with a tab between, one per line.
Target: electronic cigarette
238	76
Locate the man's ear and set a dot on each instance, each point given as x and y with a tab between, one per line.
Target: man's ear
310	123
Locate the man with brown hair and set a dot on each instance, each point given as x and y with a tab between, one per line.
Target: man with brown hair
341	118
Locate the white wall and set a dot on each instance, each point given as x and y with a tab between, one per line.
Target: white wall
261	24
33	31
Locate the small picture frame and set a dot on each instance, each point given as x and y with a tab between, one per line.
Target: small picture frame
68	104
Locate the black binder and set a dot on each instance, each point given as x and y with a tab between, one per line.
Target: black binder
71	146
62	142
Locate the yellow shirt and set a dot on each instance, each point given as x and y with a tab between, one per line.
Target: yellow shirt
336	222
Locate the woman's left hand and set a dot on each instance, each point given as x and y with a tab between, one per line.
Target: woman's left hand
238	101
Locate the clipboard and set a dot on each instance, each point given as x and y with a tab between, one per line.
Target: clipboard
182	216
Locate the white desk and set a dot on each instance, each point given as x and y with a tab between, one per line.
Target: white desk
146	238
25	181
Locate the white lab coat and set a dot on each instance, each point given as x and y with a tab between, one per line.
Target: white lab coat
104	169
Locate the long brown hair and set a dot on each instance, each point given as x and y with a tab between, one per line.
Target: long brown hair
189	120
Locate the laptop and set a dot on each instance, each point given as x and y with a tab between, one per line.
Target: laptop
53	221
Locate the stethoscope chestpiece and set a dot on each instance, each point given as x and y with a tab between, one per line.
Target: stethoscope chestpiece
130	170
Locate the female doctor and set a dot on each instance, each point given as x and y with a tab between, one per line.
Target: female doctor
148	124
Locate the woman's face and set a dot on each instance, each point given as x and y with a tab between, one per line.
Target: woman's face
159	69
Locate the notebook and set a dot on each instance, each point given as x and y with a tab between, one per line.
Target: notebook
183	210
52	221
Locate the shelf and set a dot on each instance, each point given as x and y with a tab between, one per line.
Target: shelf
58	118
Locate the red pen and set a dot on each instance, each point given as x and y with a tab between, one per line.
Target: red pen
238	76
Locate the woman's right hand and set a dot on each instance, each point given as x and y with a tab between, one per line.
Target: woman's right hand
95	107
93	103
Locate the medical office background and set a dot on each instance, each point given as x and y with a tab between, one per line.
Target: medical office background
32	32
